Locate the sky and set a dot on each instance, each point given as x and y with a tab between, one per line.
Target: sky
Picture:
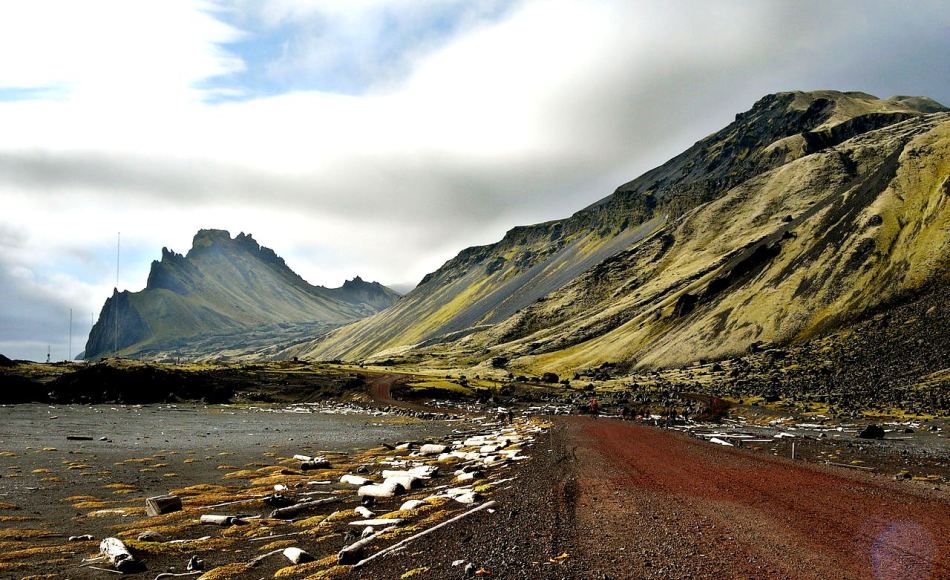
375	137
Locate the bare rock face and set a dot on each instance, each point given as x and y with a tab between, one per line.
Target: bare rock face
210	300
805	213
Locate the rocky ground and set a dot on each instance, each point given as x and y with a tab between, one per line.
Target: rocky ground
62	481
691	485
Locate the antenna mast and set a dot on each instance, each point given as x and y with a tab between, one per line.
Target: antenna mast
115	303
69	349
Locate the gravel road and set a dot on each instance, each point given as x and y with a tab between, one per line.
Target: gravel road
620	500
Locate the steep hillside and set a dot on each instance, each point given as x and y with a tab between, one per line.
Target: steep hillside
225	288
804	212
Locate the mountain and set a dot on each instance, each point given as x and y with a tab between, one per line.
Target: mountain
807	212
223	293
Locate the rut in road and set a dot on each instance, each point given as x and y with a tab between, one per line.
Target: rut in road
657	503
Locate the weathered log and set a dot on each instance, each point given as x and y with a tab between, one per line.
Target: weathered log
162	504
379	522
406	480
412	538
216	520
315	463
118	555
354	551
411	504
362	511
297	556
432	449
263	557
386	489
354	480
421	472
292	510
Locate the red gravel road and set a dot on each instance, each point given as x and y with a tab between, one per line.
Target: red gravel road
655	503
380	387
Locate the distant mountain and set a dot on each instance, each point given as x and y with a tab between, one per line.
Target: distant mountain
806	212
221	294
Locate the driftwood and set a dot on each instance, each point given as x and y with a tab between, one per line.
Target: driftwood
269	498
215	520
103	569
406	480
118	555
411	504
263	557
363	512
865	468
274	537
412	538
288	512
182	574
354	480
162	504
389	488
380	522
352	553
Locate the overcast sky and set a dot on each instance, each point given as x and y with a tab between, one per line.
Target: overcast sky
375	137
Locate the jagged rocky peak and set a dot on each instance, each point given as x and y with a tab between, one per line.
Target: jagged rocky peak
221	285
358	283
209	237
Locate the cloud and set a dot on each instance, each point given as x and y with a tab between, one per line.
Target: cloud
379	137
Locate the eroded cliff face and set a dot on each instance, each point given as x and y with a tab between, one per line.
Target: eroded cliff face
808	210
223	286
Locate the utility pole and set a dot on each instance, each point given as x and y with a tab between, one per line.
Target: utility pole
69	349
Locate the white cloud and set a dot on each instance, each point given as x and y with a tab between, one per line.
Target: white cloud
505	121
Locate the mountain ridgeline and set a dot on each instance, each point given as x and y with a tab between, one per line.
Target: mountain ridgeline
808	212
226	297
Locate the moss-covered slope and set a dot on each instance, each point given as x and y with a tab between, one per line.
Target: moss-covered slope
805	211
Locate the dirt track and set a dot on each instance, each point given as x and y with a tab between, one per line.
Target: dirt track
656	503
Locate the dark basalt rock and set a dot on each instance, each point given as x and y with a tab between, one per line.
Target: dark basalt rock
872	432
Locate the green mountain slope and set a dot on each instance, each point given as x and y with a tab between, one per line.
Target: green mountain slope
803	213
225	287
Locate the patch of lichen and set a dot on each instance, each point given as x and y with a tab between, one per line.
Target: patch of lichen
186	547
330	573
308	568
224	572
278	544
21	533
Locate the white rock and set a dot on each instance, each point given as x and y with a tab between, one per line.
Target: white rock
354	480
297	556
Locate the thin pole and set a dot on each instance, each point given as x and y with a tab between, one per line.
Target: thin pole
70	349
115	304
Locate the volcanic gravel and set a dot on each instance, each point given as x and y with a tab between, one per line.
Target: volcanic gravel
626	501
